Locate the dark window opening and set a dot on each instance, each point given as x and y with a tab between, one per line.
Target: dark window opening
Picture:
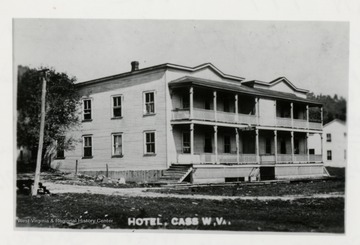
117	106
268	146
296	146
150	143
186	142
208	144
207	105
282	147
87	146
329	155
227	144
87	109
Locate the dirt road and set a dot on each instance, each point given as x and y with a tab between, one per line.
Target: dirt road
142	192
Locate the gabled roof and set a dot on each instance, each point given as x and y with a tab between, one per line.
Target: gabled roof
274	82
233	87
164	66
335	120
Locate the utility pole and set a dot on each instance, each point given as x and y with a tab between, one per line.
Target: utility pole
41	138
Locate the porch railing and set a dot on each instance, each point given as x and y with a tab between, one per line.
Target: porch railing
284	158
180	114
315	158
283	122
226	116
300	123
315	125
300	158
203	114
266	159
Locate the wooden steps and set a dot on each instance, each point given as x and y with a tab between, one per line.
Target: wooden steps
175	174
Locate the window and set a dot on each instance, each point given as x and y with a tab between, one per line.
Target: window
329	155
186	142
208	144
149	143
282	147
60	154
116	108
207	105
268	146
117	150
87	109
328	137
87	144
296	146
226	105
149	98
186	102
227	144
312	151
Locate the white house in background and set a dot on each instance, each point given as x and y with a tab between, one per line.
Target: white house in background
335	143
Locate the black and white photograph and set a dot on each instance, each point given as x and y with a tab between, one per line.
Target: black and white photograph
180	124
160	122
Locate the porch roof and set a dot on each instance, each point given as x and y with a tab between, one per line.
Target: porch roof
238	88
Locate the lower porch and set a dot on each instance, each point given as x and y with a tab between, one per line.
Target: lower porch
208	144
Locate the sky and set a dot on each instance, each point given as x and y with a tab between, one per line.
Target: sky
312	55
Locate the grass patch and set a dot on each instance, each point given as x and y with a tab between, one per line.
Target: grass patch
77	210
261	189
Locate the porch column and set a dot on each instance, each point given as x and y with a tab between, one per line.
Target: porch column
322	116
307	116
237	145
257	110
215	104
307	147
191	93
257	146
275	145
236	109
292	114
322	147
215	144
275	105
292	147
191	139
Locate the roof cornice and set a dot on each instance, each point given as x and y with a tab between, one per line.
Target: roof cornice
163	66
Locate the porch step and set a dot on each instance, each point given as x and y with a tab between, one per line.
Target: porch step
175	174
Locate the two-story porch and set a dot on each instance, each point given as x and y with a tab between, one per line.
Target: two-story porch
219	130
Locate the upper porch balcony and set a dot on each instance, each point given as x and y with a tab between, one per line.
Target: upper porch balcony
203	104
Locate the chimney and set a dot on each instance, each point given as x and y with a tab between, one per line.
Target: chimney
134	66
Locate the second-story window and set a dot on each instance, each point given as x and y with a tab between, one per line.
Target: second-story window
87	109
149	99
116	110
328	137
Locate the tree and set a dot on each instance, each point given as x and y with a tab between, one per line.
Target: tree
62	101
334	107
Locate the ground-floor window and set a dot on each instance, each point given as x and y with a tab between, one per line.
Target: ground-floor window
208	144
186	142
329	155
227	144
87	144
117	150
268	146
150	142
282	147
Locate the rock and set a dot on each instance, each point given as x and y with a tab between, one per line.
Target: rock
121	180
